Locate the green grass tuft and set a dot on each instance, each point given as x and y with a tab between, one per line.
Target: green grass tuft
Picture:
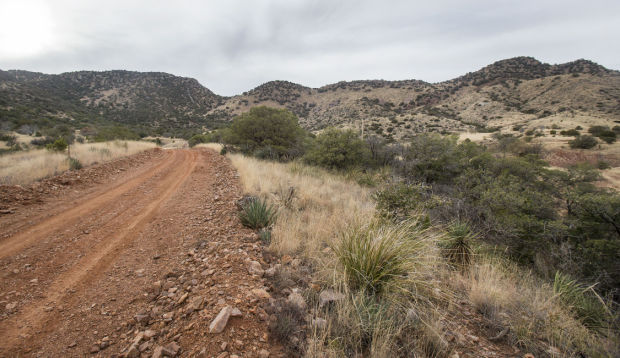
257	214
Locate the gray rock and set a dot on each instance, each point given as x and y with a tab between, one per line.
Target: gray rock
255	268
133	351
297	300
220	321
196	303
236	312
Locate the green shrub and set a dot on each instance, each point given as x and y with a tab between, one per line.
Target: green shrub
397	201
263	127
607	136
256	214
59	145
602	165
570	133
197	139
583	142
337	149
115	132
75	164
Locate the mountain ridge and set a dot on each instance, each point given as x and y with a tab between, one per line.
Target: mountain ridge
521	88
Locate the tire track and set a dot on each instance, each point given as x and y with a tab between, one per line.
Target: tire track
31	235
119	233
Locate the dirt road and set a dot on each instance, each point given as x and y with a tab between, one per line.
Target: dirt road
151	257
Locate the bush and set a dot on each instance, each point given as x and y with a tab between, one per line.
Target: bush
583	142
115	132
398	201
256	214
570	133
608	136
337	149
264	127
59	145
197	139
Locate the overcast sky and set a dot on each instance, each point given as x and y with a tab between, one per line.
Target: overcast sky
232	46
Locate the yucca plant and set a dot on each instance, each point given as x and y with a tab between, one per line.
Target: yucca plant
377	256
456	246
583	301
257	214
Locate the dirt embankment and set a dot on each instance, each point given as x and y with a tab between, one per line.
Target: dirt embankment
133	258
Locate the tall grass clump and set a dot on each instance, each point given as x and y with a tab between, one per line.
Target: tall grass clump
533	312
583	301
257	214
378	256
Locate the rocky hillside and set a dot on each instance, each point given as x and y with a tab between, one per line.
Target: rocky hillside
31	100
518	92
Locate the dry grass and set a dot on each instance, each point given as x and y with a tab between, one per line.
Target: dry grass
27	167
538	322
320	207
215	146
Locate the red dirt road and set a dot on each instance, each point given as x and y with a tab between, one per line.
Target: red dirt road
90	272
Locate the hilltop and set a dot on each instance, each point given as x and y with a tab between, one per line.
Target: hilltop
519	91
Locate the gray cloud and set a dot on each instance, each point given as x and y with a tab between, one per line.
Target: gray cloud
232	46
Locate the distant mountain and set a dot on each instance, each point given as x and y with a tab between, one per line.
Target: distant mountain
151	100
516	91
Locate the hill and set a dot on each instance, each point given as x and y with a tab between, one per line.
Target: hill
31	101
521	92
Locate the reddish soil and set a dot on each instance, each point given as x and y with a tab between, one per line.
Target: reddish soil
147	248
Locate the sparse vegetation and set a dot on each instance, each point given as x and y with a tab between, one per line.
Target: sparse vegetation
28	166
583	142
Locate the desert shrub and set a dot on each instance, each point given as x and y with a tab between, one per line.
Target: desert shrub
264	127
583	142
381	153
59	145
607	136
597	130
257	214
570	133
337	149
398	200
436	158
75	164
115	132
602	165
197	139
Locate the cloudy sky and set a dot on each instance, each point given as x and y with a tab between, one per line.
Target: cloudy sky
232	46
